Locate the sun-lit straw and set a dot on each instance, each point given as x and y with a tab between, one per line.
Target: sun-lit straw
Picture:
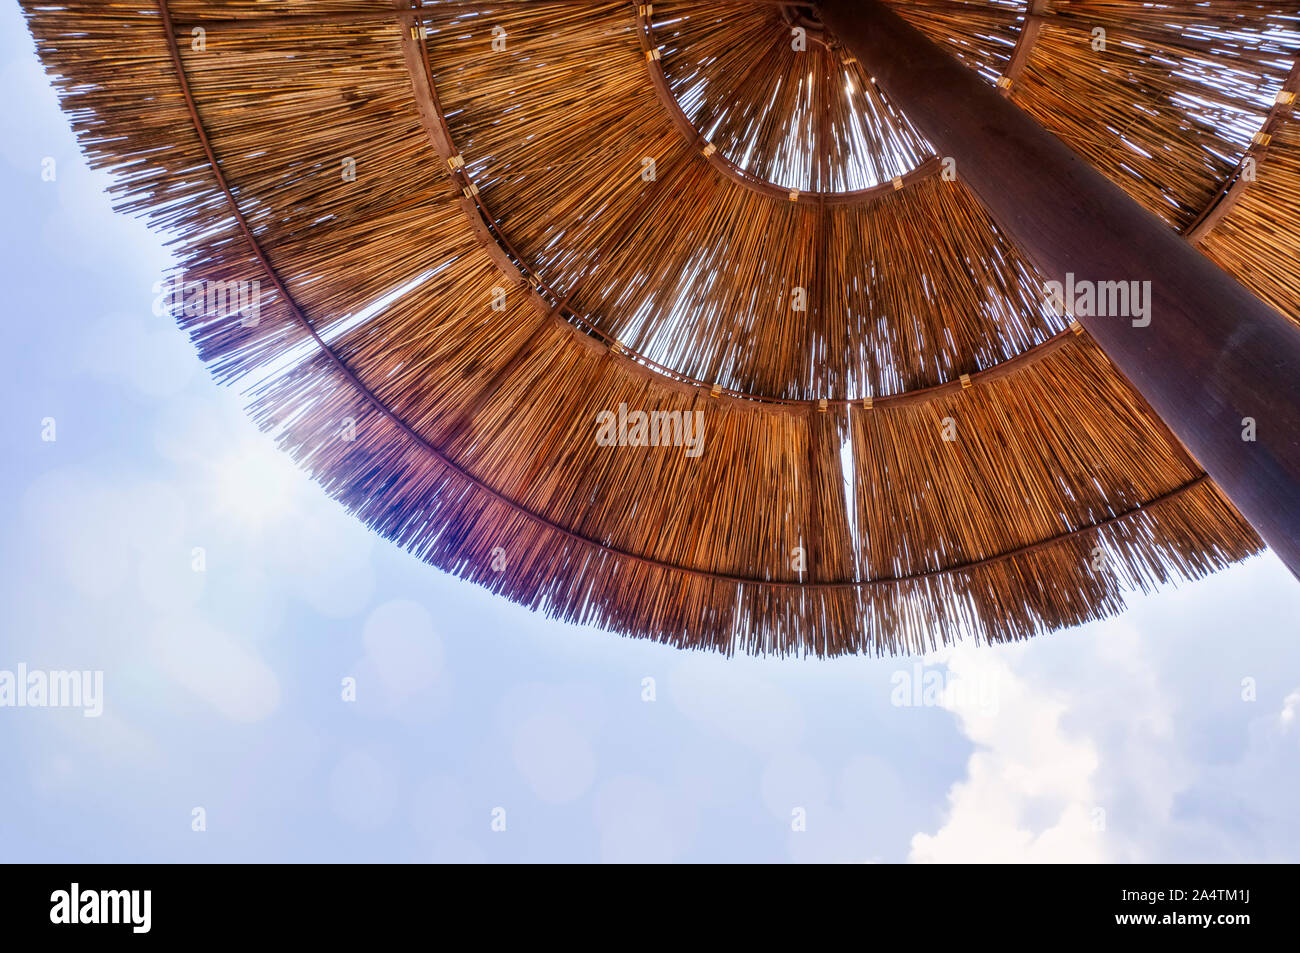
466	433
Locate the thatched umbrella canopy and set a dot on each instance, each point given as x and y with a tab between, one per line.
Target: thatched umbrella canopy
480	229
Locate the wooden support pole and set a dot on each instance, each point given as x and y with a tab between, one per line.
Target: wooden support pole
1215	362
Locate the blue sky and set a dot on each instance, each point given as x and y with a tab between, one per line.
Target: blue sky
1124	741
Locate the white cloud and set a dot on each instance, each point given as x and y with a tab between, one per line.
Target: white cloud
1030	790
1290	707
1244	811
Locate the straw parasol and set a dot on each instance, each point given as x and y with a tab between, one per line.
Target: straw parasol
480	232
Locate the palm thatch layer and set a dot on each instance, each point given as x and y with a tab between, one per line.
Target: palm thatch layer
922	452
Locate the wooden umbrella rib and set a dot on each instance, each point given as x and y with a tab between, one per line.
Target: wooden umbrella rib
1224	200
715	158
512	265
443	460
1217	346
1237	184
550	318
375	18
1173	494
1029	31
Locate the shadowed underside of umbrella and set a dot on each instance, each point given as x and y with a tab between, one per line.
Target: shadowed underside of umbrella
479	231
